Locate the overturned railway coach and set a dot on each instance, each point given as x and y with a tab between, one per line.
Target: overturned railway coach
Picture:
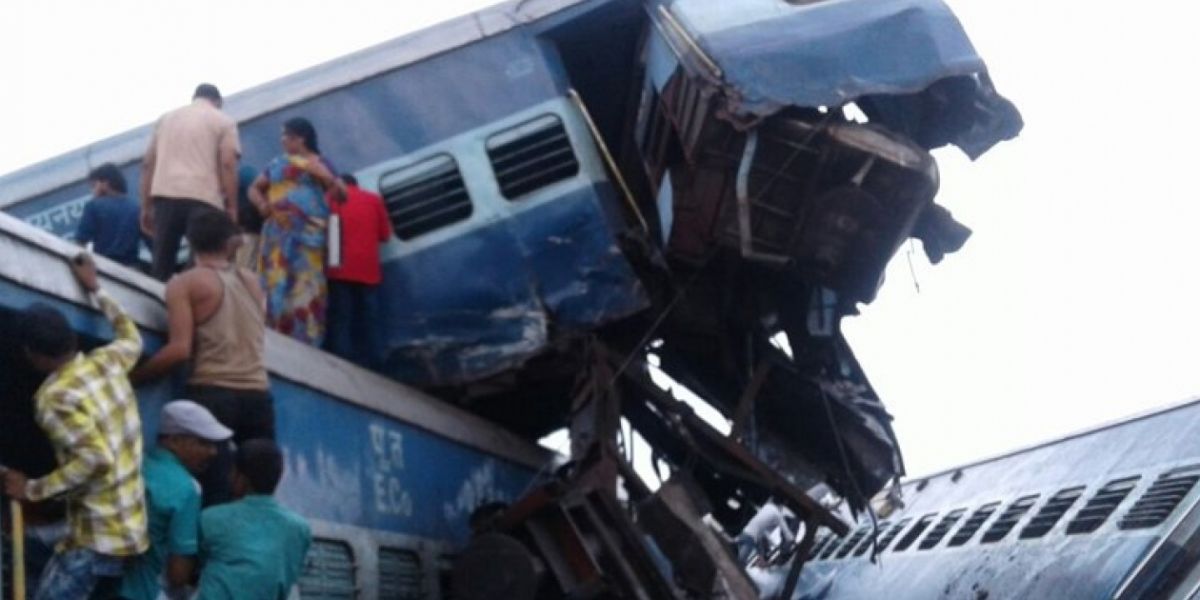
1111	512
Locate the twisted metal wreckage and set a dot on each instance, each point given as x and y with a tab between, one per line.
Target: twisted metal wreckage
691	180
788	148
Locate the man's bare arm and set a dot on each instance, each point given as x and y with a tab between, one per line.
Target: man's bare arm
179	330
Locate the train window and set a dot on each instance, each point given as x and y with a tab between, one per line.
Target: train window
832	547
869	540
891	534
941	529
1008	519
1101	506
972	524
531	156
1153	508
400	575
917	529
446	576
820	545
853	541
425	197
328	572
1051	512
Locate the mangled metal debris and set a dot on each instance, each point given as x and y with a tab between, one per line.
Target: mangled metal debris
779	209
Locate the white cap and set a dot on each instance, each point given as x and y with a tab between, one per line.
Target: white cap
184	417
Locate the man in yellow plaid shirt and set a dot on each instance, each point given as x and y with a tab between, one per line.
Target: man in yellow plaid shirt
87	408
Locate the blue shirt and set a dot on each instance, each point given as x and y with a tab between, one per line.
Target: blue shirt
252	548
173	507
110	223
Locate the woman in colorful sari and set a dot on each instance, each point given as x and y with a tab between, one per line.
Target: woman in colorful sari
290	194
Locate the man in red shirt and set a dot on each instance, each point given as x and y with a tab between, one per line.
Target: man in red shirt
353	311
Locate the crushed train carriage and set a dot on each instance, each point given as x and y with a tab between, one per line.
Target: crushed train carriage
574	183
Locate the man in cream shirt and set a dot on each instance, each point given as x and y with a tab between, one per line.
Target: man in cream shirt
190	166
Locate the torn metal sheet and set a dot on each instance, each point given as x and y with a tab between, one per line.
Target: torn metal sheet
486	301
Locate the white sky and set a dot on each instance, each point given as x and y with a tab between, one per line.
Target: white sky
1071	304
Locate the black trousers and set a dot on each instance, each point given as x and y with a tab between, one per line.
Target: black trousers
171	217
249	413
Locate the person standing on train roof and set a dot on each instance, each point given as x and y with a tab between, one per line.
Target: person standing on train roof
354	330
254	547
190	166
290	194
215	319
87	408
187	441
110	218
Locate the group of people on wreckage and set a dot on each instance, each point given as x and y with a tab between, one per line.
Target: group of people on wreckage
194	516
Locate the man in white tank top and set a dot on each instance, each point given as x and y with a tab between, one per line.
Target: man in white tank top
216	320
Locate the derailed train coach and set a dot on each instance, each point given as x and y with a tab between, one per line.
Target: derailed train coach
1109	512
576	185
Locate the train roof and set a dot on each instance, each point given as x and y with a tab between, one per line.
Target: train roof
262	99
827	53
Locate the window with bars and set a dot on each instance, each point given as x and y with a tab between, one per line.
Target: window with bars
400	576
832	547
1157	504
1102	505
329	571
819	546
1051	512
425	197
892	533
941	529
531	156
973	524
1008	519
917	529
855	538
869	540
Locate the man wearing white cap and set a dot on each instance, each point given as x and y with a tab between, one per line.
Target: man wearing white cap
187	441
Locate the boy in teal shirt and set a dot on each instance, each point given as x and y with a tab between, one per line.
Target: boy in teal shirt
187	440
253	547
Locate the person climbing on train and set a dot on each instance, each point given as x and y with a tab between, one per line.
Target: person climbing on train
254	547
355	331
215	319
187	441
190	166
290	194
110	218
87	408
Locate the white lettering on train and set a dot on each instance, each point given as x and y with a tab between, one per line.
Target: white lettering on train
387	452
